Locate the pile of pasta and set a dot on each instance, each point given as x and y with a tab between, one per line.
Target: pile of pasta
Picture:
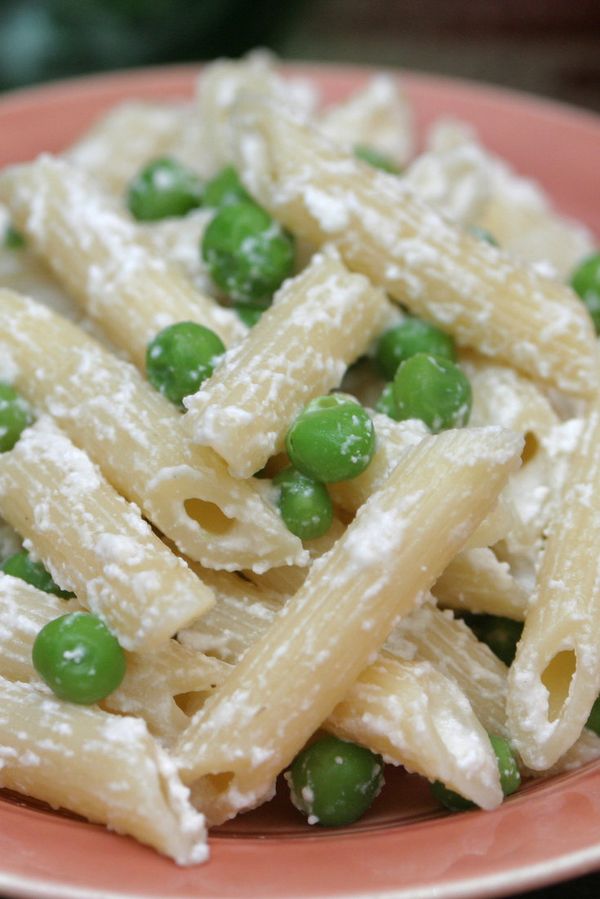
241	640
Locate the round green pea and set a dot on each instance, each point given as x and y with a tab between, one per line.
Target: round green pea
79	658
304	504
510	777
250	315
247	253
162	189
585	281
225	189
454	802
15	416
386	404
180	358
500	634
407	339
593	722
333	439
483	234
13	239
376	159
334	782
433	389
21	565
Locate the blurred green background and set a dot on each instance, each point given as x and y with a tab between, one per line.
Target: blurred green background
549	47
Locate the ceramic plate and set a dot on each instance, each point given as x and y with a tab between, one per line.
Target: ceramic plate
404	848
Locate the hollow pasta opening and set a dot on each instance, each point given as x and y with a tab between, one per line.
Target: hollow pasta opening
530	448
208	516
220	782
556	678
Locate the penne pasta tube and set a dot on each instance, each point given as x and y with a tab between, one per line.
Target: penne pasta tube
342	614
24	611
417	717
101	259
501	396
320	321
105	767
243	613
137	438
393	439
486	299
555	677
403	709
477	581
125	139
377	116
95	543
152	678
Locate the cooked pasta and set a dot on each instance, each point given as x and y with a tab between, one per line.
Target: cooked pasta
264	491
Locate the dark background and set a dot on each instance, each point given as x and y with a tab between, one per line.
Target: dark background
548	47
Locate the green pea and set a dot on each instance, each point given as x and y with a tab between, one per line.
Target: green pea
585	281
304	503
79	658
483	234
13	239
225	189
334	782
247	253
593	721
407	339
386	404
250	315
376	159
433	389
510	778
15	416
500	634
21	565
163	188
333	439
454	802
180	358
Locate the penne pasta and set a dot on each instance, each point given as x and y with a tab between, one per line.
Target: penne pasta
101	258
126	138
244	410
388	709
487	300
555	677
341	615
103	766
95	543
477	581
137	438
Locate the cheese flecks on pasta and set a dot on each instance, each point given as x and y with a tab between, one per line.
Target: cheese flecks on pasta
245	409
555	677
103	766
477	581
95	543
141	131
101	258
137	438
402	708
479	294
342	614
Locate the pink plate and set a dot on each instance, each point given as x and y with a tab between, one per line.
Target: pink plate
404	849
